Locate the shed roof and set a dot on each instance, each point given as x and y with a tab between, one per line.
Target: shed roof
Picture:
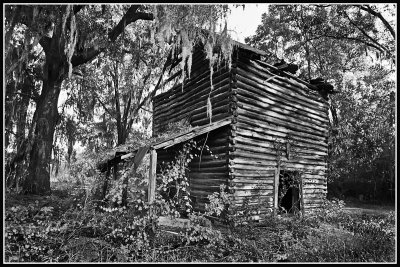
169	142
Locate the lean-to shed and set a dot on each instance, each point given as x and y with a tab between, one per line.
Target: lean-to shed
269	130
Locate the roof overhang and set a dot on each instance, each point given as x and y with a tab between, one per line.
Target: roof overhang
169	142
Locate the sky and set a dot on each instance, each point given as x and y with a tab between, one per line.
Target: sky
243	23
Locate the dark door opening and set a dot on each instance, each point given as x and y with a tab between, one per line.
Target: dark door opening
289	192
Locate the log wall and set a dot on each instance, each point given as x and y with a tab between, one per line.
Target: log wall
271	112
190	103
266	111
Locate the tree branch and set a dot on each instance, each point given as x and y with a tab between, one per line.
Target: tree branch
368	9
104	106
150	95
130	16
364	33
353	39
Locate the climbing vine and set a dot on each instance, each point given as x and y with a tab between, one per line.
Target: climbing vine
174	179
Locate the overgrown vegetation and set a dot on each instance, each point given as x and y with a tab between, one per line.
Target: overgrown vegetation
67	226
60	229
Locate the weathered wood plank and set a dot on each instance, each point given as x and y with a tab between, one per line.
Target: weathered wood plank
261	142
279	110
289	82
276	187
282	121
263	91
152	176
284	93
268	129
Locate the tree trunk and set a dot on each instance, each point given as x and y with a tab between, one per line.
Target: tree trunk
15	166
8	112
46	119
27	88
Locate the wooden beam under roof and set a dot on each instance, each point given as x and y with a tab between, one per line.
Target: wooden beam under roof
182	137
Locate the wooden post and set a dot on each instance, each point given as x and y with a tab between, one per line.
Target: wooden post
302	195
276	189
152	176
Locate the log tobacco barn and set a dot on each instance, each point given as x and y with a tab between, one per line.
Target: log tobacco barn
266	125
269	130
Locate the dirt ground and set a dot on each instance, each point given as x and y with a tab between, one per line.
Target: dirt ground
365	208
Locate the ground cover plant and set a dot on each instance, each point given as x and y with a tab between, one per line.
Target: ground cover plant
65	227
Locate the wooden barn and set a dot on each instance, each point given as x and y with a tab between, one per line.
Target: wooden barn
268	130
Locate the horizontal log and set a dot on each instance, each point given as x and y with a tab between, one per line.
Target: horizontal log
300	88
246	163
279	110
285	122
208	175
193	91
265	138
254	180
269	92
321	179
223	107
261	208
195	103
266	201
214	118
253	193
320	192
268	129
307	202
213	169
277	89
206	156
253	187
220	104
314	186
249	140
288	166
207	182
314	175
263	102
315	181
252	151
292	77
253	172
255	158
198	165
159	99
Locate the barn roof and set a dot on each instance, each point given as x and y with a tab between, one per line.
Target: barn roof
281	73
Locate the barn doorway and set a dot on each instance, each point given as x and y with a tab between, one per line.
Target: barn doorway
289	192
